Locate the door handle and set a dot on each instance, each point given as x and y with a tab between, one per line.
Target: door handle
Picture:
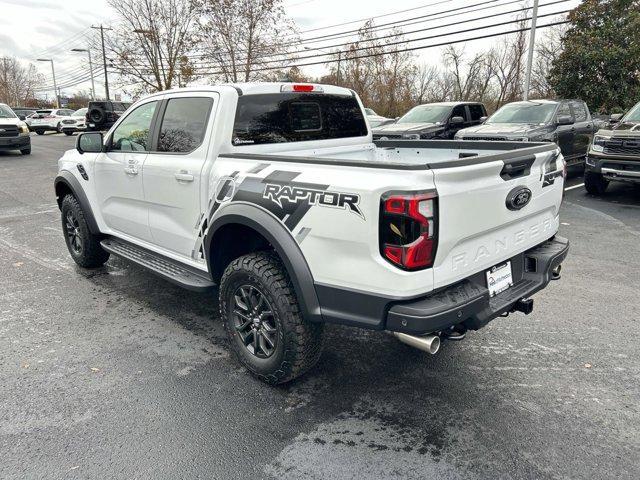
131	170
183	176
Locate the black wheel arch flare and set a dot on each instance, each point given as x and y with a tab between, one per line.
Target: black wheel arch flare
272	229
67	182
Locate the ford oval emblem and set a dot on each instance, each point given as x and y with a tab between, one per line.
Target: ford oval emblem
518	198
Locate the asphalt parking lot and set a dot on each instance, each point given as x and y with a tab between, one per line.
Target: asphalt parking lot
115	373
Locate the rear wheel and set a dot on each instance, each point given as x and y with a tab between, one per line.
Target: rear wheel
84	247
263	321
68	132
59	128
594	183
40	132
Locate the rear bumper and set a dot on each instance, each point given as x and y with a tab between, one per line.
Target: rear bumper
468	304
614	168
15	143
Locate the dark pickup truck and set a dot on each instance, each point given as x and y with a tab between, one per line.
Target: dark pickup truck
433	121
567	123
614	155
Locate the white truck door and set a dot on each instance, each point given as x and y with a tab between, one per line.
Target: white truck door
172	172
118	174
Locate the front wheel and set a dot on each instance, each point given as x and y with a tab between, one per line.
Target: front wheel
40	132
263	321
68	132
59	128
594	183
26	151
84	247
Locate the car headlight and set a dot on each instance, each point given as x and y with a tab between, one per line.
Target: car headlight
598	143
23	128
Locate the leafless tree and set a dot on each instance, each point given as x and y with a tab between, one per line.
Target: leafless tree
548	50
150	46
17	82
240	35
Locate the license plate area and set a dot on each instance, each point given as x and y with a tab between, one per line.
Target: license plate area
499	278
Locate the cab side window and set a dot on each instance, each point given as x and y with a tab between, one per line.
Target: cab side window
564	109
184	124
476	111
459	111
580	111
132	135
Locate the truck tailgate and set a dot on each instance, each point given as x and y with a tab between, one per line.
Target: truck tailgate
490	210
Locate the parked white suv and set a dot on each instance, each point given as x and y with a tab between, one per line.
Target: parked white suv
49	119
77	122
276	193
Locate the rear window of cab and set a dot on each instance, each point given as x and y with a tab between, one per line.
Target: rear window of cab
296	117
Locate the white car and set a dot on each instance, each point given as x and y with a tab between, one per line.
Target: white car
14	133
49	119
276	193
76	123
376	120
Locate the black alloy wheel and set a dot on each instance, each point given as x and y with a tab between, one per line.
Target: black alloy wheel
74	233
254	321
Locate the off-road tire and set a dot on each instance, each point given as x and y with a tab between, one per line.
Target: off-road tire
26	151
594	183
91	255
299	343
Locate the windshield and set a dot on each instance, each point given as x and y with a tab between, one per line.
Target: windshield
426	114
80	113
632	115
6	112
523	113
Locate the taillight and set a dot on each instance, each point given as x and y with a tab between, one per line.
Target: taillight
297	87
408	229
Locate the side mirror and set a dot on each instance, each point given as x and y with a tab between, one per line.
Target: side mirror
22	117
396	119
615	118
564	120
90	142
483	119
456	121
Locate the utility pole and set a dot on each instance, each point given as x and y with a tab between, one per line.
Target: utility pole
338	72
104	60
55	85
88	50
532	45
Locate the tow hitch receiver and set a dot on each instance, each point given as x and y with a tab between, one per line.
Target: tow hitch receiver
524	305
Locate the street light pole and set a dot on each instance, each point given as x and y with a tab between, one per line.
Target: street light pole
55	85
88	50
532	44
104	60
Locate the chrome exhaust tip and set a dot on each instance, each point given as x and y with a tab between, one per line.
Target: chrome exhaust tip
555	273
427	343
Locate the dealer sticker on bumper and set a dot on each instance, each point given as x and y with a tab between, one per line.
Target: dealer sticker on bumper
499	278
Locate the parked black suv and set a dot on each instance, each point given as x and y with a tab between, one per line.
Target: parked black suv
614	155
433	121
567	123
102	115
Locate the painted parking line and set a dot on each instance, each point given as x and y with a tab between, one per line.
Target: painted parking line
574	187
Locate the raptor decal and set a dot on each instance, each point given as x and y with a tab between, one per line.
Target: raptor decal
313	197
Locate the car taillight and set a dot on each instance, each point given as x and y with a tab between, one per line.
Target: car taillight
297	87
408	229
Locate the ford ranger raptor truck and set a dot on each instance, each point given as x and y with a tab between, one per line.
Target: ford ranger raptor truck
614	155
276	195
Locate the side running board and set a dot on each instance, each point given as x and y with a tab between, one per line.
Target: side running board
181	275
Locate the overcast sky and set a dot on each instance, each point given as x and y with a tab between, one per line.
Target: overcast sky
31	29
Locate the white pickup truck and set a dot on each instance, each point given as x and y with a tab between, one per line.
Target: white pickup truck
275	194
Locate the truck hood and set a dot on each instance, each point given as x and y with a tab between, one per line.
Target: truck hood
503	129
400	128
624	129
10	121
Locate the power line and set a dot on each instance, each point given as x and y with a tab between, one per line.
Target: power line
409	49
401	42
